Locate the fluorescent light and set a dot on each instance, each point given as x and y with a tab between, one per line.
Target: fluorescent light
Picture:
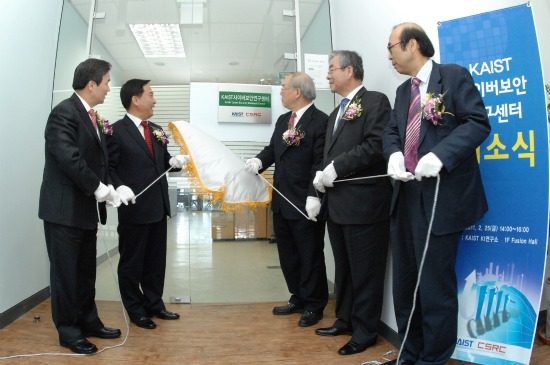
159	40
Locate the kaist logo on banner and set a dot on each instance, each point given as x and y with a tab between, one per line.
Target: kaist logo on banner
500	263
243	114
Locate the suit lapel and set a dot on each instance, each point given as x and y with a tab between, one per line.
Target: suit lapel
134	132
85	117
434	86
342	123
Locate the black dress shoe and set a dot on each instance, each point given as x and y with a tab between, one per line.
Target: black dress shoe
332	331
144	322
82	346
287	309
405	362
309	319
164	314
104	332
353	347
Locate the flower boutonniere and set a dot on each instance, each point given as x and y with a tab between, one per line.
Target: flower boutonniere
353	111
292	137
433	108
160	135
103	124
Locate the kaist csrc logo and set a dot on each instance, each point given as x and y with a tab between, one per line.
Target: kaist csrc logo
242	114
480	345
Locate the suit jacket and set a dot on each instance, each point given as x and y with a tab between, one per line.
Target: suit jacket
295	166
131	164
356	149
75	164
465	126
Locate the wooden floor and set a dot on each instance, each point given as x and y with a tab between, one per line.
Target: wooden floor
205	334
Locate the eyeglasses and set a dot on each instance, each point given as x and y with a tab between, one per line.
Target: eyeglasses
393	45
336	68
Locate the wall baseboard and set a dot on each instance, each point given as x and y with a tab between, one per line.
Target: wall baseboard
23	307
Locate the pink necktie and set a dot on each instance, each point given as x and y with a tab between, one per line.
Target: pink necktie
92	115
147	135
413	128
291	121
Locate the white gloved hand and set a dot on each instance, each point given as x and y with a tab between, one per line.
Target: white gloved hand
396	167
329	175
428	166
102	192
313	207
253	165
113	200
126	194
179	161
318	183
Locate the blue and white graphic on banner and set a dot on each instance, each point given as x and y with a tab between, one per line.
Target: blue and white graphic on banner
500	267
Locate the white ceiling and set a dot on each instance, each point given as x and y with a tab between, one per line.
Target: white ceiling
240	41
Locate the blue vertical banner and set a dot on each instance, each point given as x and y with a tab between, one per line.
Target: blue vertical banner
500	267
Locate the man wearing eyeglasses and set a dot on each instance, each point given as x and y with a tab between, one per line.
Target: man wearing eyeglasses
419	146
357	211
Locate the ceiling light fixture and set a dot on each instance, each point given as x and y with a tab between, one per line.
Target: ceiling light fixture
159	40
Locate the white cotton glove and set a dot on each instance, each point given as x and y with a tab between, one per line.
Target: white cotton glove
179	161
313	207
102	192
329	175
126	194
253	165
113	199
318	183
428	166
396	167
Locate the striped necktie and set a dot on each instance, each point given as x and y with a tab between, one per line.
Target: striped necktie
413	127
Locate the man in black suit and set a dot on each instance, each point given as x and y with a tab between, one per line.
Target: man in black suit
138	156
445	147
296	149
358	210
74	189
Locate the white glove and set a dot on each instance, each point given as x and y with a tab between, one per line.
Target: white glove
396	167
329	175
179	161
313	207
428	166
253	165
113	200
126	194
317	181
102	192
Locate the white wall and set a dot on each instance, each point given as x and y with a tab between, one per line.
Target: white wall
372	22
28	43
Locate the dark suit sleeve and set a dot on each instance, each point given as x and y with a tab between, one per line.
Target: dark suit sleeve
465	105
63	143
391	138
320	121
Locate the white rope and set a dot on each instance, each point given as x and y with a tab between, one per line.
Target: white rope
281	194
151	184
420	269
362	178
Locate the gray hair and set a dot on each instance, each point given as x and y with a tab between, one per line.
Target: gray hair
350	58
302	81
